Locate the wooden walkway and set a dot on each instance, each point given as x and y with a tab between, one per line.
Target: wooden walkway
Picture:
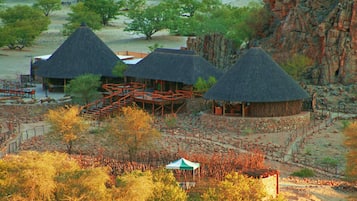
121	95
160	100
16	89
20	92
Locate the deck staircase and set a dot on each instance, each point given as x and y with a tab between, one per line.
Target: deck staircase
119	96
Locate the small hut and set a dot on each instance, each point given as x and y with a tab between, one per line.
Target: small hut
171	69
82	53
257	86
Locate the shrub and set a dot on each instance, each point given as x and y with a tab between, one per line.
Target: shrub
171	121
305	172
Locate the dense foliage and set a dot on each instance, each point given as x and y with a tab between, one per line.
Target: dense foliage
192	17
48	6
84	89
134	129
203	85
21	25
81	14
119	69
236	187
297	65
66	125
146	19
106	9
55	176
94	13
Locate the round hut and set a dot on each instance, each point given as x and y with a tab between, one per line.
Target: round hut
81	53
257	87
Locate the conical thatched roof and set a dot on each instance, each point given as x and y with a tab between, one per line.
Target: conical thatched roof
256	77
83	52
182	66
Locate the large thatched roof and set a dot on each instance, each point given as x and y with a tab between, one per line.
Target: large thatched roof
182	66
83	52
256	77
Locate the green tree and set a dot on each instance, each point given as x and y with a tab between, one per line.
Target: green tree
148	20
239	24
134	130
185	7
1	4
48	6
234	23
84	88
66	125
106	9
81	14
203	85
21	25
296	65
154	47
119	69
182	11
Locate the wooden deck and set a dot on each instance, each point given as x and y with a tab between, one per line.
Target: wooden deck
20	92
12	88
121	95
160	100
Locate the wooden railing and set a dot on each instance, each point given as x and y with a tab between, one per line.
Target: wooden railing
113	108
122	88
134	54
120	95
185	93
156	95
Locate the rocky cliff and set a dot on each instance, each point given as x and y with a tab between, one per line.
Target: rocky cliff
324	30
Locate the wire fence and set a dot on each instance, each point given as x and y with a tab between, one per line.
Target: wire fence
289	152
12	142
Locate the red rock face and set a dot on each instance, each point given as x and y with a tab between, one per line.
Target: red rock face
324	30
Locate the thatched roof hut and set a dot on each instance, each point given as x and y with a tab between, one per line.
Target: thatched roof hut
82	53
182	66
259	83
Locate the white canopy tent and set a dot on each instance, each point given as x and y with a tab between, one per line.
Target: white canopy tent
183	164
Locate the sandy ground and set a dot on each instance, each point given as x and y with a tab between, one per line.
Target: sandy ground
14	63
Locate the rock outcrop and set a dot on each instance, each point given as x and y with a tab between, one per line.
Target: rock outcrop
325	31
216	49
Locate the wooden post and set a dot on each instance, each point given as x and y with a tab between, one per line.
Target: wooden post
224	108
213	106
243	115
172	107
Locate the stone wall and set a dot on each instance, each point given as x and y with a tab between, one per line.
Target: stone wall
255	125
